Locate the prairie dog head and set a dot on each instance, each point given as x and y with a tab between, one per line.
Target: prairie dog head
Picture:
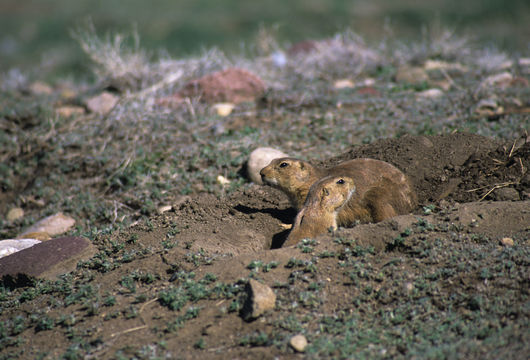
330	193
287	174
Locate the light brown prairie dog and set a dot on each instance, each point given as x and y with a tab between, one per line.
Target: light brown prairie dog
325	199
382	190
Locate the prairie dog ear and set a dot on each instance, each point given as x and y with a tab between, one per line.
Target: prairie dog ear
325	192
302	165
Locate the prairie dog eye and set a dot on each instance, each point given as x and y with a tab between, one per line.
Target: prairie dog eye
284	164
340	181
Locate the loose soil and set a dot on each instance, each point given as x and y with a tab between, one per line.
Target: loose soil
442	266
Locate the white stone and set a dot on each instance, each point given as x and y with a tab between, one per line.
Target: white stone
164	208
53	225
502	80
507	241
221	180
430	94
10	246
298	343
14	214
223	109
260	158
102	103
343	84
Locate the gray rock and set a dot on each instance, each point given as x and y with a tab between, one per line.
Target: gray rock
46	260
260	158
260	298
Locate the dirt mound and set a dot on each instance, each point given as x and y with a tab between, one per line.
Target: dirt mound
460	167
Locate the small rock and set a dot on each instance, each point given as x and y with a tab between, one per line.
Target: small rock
298	343
102	104
507	194
221	180
411	75
231	85
443	65
223	109
69	110
260	298
507	241
164	208
258	159
11	246
502	80
430	94
344	84
42	236
40	88
14	214
489	108
53	225
46	260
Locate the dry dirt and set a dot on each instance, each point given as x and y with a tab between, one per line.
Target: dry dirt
480	192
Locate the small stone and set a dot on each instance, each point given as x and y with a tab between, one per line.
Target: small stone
260	298
507	241
258	159
444	65
53	225
411	75
11	246
223	109
102	104
14	214
69	110
489	108
344	84
46	260
221	180
164	208
298	343
501	80
430	94
507	194
40	88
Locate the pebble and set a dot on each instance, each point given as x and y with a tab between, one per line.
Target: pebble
298	343
223	109
103	103
69	110
260	298
430	94
258	159
14	214
221	180
164	208
343	84
52	225
507	241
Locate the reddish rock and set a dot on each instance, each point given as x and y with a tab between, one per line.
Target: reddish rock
231	85
46	260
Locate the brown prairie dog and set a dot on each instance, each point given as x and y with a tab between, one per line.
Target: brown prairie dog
325	199
382	190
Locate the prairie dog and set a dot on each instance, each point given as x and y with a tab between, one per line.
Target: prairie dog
325	199
382	190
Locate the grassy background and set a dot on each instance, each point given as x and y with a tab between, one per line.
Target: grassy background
38	32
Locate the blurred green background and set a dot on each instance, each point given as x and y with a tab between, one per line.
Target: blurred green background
37	33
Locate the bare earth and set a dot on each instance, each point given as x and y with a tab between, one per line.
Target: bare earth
385	287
